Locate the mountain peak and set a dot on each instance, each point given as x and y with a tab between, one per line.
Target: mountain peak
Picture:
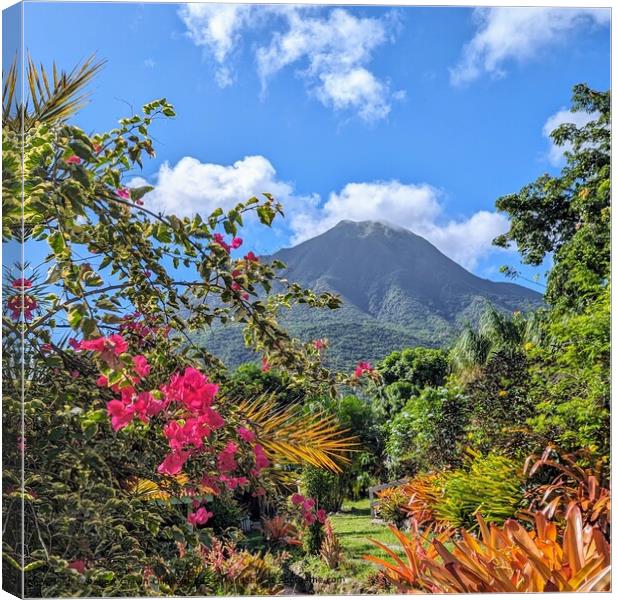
370	225
398	291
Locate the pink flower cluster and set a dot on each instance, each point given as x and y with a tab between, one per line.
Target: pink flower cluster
307	509
261	460
199	516
193	391
220	240
362	368
141	327
19	305
108	348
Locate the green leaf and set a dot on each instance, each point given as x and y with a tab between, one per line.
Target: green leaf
139	192
266	214
57	243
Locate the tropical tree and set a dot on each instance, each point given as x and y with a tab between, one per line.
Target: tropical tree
116	393
568	216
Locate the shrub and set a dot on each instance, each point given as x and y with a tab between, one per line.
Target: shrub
324	487
226	513
573	484
278	530
503	559
491	486
428	432
390	505
422	495
331	550
312	538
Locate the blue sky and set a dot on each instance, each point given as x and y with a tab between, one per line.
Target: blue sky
419	116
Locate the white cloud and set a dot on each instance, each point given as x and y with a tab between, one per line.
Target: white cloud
217	27
331	52
518	33
334	51
191	186
555	153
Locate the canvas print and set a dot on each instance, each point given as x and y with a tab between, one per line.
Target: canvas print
305	299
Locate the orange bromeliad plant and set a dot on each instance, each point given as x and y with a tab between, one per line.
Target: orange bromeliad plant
503	559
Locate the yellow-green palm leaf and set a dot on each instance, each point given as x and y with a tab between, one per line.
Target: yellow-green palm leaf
291	436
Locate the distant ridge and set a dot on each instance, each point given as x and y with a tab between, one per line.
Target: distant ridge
398	290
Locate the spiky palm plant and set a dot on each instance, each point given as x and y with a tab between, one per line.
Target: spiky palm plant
49	98
497	332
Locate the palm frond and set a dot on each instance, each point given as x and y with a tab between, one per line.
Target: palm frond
148	490
290	436
51	98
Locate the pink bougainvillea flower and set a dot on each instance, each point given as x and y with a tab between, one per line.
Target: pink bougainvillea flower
46	348
220	240
236	242
226	461
193	390
109	348
261	460
173	463
236	287
321	515
297	499
141	366
362	368
145	406
121	414
123	193
246	434
265	365
97	147
74	374
72	160
73	343
251	257
102	381
79	565
259	492
21	283
309	518
308	504
199	517
114	343
233	482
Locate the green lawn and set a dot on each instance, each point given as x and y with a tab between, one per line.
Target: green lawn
354	526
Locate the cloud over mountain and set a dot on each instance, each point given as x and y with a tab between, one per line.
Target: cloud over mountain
191	186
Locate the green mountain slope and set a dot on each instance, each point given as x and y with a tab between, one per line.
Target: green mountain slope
398	290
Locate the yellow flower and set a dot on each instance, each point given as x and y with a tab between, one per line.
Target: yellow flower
502	393
528	346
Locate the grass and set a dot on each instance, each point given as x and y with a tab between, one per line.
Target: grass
354	526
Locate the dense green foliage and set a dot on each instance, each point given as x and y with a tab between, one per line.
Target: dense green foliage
427	434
